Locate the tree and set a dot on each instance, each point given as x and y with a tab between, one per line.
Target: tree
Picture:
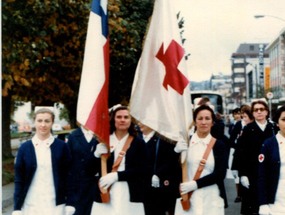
43	42
43	46
128	21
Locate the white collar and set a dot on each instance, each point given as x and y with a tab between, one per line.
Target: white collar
195	139
261	126
88	134
280	138
47	142
114	141
148	136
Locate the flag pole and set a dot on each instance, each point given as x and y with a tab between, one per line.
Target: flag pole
92	105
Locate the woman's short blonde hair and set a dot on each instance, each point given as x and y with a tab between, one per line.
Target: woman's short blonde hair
44	110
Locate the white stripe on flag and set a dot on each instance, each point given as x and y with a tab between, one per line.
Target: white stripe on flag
161	94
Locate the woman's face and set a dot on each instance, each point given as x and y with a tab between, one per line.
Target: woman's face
245	118
281	124
43	124
259	112
122	120
204	122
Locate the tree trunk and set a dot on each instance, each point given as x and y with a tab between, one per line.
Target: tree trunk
72	115
6	121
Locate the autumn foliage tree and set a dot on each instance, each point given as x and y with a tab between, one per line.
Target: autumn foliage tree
43	46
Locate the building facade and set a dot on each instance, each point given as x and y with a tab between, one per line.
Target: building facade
248	65
276	50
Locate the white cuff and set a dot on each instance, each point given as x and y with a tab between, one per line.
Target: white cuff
17	213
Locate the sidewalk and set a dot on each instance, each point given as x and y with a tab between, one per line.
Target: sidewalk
7	199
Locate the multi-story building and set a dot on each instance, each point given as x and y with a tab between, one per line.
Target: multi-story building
276	50
248	65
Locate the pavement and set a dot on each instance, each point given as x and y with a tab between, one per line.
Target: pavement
7	199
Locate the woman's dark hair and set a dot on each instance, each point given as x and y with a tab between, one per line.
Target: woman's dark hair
247	110
278	113
132	131
204	107
261	102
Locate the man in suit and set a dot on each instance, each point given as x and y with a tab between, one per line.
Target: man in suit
83	173
164	174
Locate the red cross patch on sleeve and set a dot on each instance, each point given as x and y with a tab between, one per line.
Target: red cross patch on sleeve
261	158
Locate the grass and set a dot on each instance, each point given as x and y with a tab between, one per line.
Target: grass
7	171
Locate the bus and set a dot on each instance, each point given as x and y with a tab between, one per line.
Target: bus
215	98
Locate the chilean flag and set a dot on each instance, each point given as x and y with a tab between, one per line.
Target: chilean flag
160	95
92	105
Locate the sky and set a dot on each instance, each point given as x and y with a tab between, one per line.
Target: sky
214	29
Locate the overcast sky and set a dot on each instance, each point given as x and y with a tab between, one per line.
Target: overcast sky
215	28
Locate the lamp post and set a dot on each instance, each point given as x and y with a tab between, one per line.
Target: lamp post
262	16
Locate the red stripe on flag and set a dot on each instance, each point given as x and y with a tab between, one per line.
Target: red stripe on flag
98	120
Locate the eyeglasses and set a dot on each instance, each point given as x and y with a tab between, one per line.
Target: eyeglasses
257	109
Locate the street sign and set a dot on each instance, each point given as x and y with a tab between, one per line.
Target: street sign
269	95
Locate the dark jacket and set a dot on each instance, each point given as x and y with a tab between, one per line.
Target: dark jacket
250	146
135	170
26	165
164	162
269	171
220	170
235	143
84	166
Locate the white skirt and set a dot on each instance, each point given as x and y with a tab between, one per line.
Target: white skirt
278	208
119	202
43	210
203	200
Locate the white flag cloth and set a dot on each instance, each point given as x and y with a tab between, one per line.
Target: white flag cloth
92	106
161	93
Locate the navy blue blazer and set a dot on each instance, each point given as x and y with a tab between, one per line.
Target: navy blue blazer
250	145
84	166
135	169
164	162
269	171
26	165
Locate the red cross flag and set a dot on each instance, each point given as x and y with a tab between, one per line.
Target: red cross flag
161	94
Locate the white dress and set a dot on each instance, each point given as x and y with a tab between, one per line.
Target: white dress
204	200
40	198
278	208
119	193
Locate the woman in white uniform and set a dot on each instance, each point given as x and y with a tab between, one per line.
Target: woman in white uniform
127	184
41	171
206	197
271	177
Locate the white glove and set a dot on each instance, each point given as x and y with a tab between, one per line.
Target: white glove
187	187
244	181
17	213
181	146
264	210
101	148
107	180
235	174
69	210
155	181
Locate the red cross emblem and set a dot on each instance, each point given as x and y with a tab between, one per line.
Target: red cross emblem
261	158
171	59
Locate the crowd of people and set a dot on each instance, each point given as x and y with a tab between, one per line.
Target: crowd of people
144	170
